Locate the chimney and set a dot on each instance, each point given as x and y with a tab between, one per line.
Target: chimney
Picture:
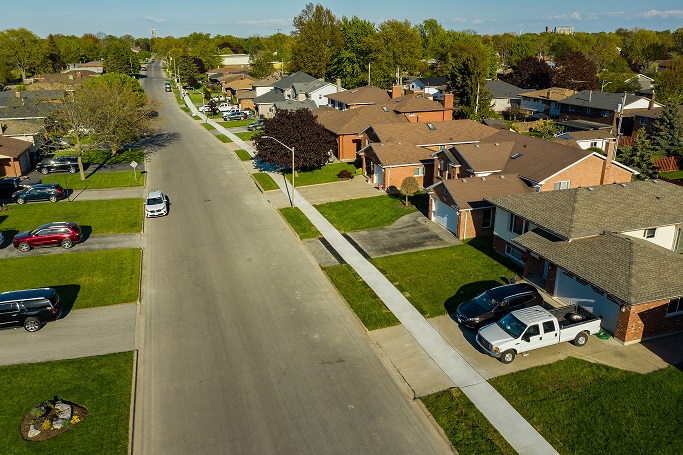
396	91
448	100
549	93
338	85
17	94
242	76
652	100
607	167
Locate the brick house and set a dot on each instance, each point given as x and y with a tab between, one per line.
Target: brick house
544	102
538	165
358	97
14	156
614	249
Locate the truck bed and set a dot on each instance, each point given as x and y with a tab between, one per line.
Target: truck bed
564	315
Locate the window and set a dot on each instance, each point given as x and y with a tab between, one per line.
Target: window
487	218
418	171
588	110
605	113
643	120
650	233
572	108
514	253
532	331
562	185
548	327
517	224
594	144
675	306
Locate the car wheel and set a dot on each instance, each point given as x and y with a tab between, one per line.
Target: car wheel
508	356
53	198
21	200
24	246
580	340
67	243
44	171
72	170
32	324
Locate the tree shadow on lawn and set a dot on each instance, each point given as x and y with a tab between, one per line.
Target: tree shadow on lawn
68	294
467	292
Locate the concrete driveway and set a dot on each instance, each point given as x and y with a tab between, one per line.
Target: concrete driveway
91	243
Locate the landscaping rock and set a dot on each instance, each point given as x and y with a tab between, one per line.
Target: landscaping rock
51	419
33	431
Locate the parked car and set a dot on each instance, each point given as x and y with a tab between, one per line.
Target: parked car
167	86
30	308
207	109
532	328
235	115
491	305
10	185
62	233
59	163
43	192
226	107
156	204
256	125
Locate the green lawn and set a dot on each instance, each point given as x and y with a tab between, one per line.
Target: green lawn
243	155
104	156
101	384
208	126
116	216
588	408
456	273
247	135
84	280
223	138
185	109
301	225
326	174
97	180
236	123
364	213
464	425
673	175
368	307
265	180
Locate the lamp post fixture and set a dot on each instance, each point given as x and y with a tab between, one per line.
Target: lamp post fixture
291	149
604	84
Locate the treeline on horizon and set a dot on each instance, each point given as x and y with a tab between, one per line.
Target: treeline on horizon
360	52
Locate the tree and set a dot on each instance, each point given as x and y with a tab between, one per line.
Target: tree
640	156
547	128
350	63
91	47
53	62
466	70
670	81
531	72
187	69
396	48
575	71
317	40
22	50
300	131
642	47
260	64
119	58
667	131
409	187
522	47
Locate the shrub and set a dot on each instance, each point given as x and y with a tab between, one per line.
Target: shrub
345	175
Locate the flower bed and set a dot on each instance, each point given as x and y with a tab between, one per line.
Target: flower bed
51	419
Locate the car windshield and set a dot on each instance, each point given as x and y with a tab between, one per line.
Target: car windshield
155	201
485	300
512	326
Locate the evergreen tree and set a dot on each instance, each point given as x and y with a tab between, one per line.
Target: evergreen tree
640	156
667	131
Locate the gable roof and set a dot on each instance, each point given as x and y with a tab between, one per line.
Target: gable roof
584	212
362	95
309	87
415	103
431	81
293	105
503	90
353	121
398	154
469	193
13	148
650	113
270	97
287	81
600	100
10	98
444	133
550	94
267	82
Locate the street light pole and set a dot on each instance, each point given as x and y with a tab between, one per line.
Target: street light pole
291	149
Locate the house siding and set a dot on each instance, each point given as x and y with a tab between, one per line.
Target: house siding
588	172
470	224
347	146
393	176
427	117
649	320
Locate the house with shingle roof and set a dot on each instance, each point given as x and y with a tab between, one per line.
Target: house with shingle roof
427	85
601	139
504	95
14	156
546	102
357	97
614	249
297	87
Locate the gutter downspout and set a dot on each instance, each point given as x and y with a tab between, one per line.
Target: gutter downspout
464	231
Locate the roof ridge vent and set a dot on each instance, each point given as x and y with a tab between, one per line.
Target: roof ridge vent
497	144
476	145
483	179
590	188
623	185
502	177
464	180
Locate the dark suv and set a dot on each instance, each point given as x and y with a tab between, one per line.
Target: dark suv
491	305
31	308
43	192
52	234
59	163
10	185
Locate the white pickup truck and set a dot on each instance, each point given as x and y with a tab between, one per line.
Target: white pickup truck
535	327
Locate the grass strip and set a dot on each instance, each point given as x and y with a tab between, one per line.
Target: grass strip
265	181
301	225
97	180
223	138
84	279
243	155
101	384
247	135
361	298
208	126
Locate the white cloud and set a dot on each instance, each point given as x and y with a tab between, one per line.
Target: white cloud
564	17
459	19
616	13
154	19
265	22
477	21
676	13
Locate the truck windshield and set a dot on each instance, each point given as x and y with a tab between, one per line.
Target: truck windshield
512	326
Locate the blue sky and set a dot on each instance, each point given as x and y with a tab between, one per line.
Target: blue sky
266	17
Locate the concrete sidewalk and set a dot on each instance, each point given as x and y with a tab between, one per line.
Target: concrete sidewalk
92	243
511	425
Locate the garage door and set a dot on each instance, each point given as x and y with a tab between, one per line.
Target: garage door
445	215
575	291
378	175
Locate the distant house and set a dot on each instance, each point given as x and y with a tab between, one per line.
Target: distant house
357	97
544	103
642	118
614	249
427	85
14	157
591	138
96	66
297	87
504	95
646	84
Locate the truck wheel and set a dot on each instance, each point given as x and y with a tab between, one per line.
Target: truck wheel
507	356
580	340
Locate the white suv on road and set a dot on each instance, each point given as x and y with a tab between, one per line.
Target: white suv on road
156	204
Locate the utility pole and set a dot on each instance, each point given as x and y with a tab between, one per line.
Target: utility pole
476	104
368	73
621	117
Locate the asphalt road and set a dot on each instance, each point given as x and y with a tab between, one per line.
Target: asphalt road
244	345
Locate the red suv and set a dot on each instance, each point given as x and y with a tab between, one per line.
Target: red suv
62	234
